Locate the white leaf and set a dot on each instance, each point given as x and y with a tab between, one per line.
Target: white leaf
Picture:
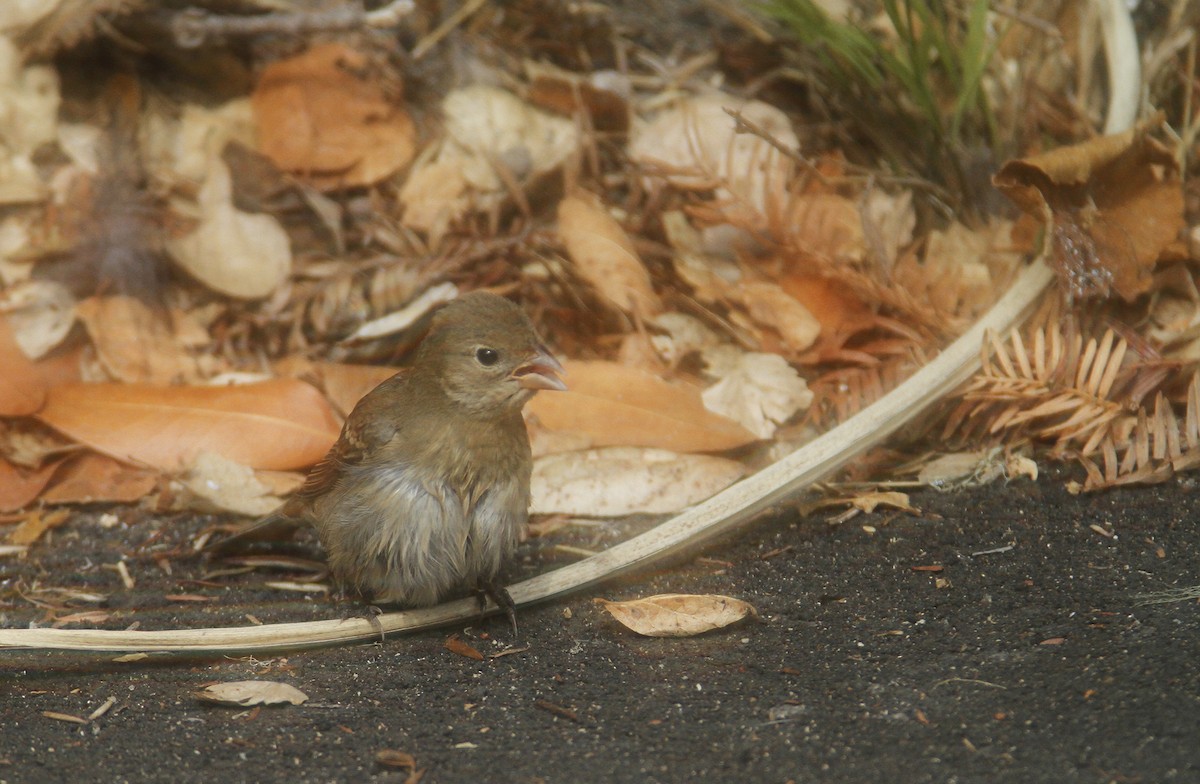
236	253
245	693
626	480
760	392
678	614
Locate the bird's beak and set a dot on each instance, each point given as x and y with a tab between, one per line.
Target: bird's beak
541	371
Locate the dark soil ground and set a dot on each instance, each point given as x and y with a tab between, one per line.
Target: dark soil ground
1039	661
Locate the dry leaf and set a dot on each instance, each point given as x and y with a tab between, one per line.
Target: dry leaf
23	390
29	101
19	488
678	614
826	225
626	480
184	144
761	392
345	385
604	256
40	314
321	116
280	424
1111	205
37	523
694	145
770	306
92	478
487	128
456	644
613	405
133	343
235	253
246	693
228	486
434	197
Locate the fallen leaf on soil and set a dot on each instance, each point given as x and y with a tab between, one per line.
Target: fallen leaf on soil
760	391
455	644
93	478
278	424
19	488
695	146
618	406
1111	206
133	343
321	116
35	524
23	390
604	256
228	486
393	758
246	693
239	254
678	614
345	385
627	480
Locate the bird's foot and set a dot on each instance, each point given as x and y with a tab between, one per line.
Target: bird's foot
371	612
489	589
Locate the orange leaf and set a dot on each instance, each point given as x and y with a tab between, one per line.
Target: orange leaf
278	424
19	488
616	405
345	385
605	257
1112	206
321	116
23	389
92	478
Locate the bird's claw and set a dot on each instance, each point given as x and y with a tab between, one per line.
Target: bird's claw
498	594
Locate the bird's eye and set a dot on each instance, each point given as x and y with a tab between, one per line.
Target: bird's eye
487	356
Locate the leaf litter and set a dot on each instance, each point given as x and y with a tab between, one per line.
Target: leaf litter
722	283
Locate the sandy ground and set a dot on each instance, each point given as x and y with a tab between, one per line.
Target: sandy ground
1031	655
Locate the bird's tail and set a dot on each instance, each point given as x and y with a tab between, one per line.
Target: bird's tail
275	527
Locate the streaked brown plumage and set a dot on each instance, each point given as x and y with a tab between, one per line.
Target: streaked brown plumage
426	491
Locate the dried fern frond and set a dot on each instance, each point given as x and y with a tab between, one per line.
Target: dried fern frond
1057	389
841	393
1159	447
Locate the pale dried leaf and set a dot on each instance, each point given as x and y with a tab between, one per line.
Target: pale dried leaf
694	145
246	693
228	486
761	392
626	480
235	253
40	313
29	101
604	256
770	306
434	196
677	614
487	127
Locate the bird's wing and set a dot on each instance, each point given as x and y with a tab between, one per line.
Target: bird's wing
366	430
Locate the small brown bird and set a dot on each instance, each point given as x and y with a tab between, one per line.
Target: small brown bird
426	491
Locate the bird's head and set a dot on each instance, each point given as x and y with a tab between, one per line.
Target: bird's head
487	355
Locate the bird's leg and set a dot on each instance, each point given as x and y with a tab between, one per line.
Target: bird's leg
341	594
488	588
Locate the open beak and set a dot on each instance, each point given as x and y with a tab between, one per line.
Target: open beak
541	371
